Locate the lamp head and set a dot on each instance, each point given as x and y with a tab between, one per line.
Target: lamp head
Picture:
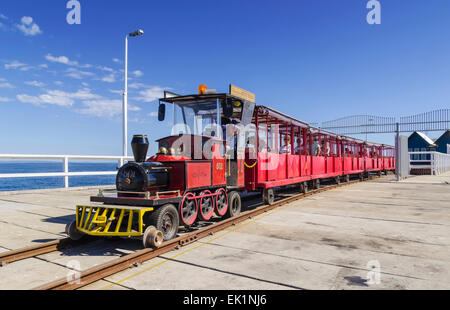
137	33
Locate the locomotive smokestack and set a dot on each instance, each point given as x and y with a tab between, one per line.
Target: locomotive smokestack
139	144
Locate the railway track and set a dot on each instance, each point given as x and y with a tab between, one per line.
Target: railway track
36	250
107	269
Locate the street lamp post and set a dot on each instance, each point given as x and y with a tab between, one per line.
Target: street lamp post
125	93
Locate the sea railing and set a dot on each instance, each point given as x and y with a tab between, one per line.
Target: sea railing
65	166
433	163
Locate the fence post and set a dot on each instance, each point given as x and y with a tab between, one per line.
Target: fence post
66	171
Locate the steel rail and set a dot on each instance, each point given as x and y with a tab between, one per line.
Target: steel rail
35	250
107	269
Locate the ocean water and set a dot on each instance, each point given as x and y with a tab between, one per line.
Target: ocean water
16	184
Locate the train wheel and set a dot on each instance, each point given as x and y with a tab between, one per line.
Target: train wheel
206	206
268	196
337	180
221	202
235	204
304	187
166	220
316	184
153	238
188	209
73	232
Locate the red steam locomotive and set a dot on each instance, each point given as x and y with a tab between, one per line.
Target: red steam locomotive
220	145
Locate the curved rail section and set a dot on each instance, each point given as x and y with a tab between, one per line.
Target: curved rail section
102	271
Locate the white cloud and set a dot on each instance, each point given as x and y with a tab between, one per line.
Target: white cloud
105	108
27	20
110	78
3	17
45	66
84	84
4	99
138	73
28	27
77	74
107	69
14	65
61	59
117	92
59	83
150	94
6	85
137	85
82	94
58	97
26	68
35	83
153	114
29	99
116	60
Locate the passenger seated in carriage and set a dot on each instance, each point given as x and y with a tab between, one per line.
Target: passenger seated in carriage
318	150
328	151
286	149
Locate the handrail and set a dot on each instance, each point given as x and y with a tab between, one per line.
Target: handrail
438	163
65	166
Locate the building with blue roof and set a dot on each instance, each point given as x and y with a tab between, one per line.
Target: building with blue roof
443	143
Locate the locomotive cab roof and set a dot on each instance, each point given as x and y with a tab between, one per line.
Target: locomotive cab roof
231	106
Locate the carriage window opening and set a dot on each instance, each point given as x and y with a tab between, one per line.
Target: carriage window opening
262	134
286	144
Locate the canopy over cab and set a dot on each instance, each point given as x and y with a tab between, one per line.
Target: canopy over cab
192	110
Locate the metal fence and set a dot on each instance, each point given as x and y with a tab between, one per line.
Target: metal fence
65	166
433	163
369	124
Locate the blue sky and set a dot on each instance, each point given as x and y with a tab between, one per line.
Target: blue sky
60	84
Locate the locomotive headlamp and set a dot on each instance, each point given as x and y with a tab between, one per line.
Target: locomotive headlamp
202	89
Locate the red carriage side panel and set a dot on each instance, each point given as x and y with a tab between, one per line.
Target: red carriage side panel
348	164
305	165
273	166
338	164
261	167
361	165
369	163
282	159
318	163
385	163
293	166
329	164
